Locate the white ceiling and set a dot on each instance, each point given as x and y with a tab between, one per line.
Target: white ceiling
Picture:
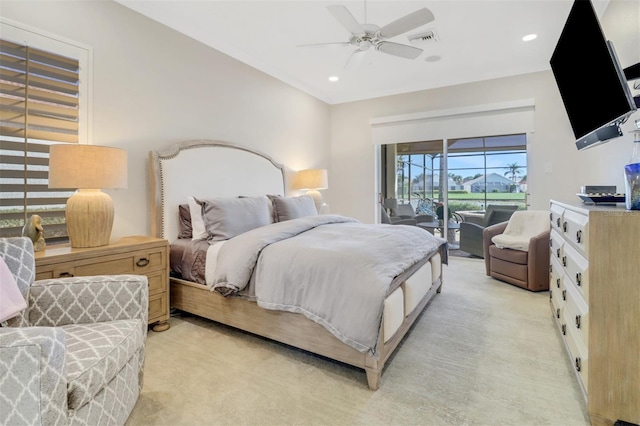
478	40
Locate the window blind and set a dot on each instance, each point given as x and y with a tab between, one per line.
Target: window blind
39	106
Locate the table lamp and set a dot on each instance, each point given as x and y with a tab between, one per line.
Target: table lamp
312	180
89	168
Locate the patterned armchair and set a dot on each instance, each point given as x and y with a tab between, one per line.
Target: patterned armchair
75	355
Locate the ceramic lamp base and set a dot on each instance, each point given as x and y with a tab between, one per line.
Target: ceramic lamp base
317	198
89	215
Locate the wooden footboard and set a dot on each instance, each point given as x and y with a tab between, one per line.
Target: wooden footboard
291	328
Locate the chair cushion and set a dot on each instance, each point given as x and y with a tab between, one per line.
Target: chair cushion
512	256
95	355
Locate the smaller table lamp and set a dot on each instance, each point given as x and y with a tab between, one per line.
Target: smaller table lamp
89	168
312	180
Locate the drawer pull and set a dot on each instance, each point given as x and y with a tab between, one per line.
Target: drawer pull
65	275
558	222
558	313
550	243
558	282
579	235
578	363
550	295
578	321
579	278
564	329
143	261
550	268
564	226
551	217
558	253
564	294
564	260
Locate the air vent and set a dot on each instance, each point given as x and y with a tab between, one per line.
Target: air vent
428	36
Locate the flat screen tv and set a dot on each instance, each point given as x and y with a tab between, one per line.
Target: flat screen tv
590	79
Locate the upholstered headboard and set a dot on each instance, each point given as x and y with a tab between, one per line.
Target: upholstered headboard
206	169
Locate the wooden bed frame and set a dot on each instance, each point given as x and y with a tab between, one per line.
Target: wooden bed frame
220	169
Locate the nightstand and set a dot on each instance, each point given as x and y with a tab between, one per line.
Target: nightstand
137	255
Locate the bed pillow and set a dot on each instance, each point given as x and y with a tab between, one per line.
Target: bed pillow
287	208
198	230
225	218
184	222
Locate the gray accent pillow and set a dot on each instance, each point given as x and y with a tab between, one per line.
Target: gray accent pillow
225	218
286	208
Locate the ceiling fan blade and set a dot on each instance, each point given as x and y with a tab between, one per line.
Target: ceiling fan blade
337	43
355	59
345	18
397	49
407	23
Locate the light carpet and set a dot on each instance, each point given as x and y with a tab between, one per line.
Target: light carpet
482	353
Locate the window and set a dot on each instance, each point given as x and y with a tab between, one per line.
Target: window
42	93
480	171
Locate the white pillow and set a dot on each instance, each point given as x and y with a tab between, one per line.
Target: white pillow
198	230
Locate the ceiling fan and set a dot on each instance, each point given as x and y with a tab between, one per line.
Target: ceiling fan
369	36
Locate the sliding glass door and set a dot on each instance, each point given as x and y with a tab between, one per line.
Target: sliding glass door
461	176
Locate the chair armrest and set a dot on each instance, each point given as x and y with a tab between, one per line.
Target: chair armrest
487	234
87	300
403	222
32	367
538	274
424	218
493	230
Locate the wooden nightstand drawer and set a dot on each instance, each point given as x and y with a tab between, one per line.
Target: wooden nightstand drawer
156	283
130	255
158	306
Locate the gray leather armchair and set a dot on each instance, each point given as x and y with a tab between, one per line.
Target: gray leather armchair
471	233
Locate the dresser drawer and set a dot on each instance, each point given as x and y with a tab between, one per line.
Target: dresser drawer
577	270
556	243
556	217
575	228
577	350
576	313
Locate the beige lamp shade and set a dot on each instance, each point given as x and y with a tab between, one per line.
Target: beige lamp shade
311	179
87	167
89	212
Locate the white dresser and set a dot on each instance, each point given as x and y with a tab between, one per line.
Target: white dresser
594	291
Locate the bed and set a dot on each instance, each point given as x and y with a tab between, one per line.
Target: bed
222	172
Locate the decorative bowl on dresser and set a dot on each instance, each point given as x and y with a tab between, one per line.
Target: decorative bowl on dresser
137	255
594	294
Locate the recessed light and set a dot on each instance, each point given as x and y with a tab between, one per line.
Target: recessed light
530	37
334	78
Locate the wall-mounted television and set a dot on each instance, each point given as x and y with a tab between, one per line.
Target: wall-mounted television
591	81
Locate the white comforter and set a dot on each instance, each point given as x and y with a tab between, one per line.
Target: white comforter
334	270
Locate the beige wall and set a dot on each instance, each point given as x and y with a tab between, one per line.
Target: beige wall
154	87
555	168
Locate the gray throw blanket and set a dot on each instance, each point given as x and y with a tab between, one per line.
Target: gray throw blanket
332	269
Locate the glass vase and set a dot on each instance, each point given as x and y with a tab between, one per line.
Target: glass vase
632	186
